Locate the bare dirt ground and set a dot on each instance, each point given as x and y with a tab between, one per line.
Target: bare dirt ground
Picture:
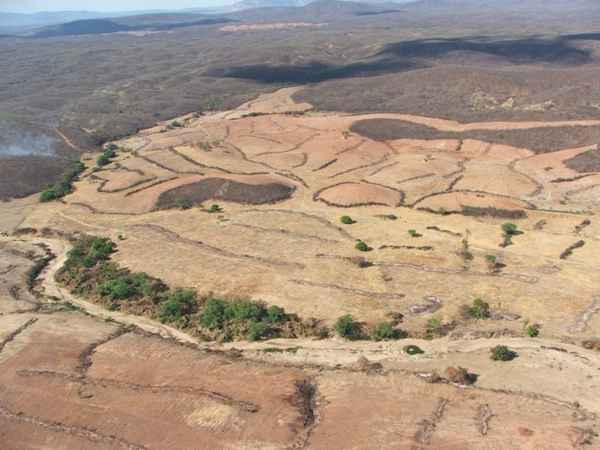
269	26
84	377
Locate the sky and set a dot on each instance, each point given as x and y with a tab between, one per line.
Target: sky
28	6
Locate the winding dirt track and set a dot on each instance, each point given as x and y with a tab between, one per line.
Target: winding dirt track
496	399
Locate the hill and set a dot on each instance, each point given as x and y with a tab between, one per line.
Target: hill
127	24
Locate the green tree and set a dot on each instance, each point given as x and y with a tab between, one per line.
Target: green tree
348	328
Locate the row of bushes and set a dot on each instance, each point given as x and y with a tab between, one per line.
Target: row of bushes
65	185
350	329
89	272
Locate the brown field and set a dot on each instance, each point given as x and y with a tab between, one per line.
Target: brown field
283	175
283	181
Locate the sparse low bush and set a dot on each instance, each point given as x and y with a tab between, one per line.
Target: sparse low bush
412	350
502	353
478	310
532	330
465	251
494	266
509	230
460	375
347	220
385	331
215	208
414	233
348	328
362	246
434	327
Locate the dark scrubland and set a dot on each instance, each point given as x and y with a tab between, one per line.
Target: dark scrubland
540	140
430	58
222	189
585	162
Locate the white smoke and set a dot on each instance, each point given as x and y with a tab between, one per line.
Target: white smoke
29	145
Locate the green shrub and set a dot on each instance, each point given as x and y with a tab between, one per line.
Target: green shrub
362	246
413	350
244	310
502	353
88	252
491	259
233	316
347	220
257	330
48	194
479	309
215	208
119	289
179	303
102	160
414	233
510	229
275	314
213	314
106	156
385	331
532	330
348	328
434	327
465	251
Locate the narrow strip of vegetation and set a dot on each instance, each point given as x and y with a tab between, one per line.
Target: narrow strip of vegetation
89	272
65	185
349	328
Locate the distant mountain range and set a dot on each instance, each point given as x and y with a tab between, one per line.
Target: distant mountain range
64	23
13	22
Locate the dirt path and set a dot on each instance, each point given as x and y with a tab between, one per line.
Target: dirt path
53	290
536	356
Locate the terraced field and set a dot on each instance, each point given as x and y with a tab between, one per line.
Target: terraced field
428	197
